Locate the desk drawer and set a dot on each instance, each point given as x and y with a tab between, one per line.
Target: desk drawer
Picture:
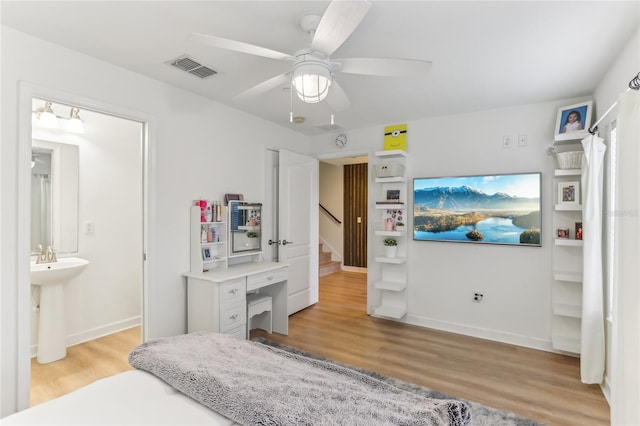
232	291
232	317
266	278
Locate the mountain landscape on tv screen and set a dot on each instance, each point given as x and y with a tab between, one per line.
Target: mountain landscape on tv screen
466	198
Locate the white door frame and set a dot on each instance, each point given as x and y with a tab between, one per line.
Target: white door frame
26	93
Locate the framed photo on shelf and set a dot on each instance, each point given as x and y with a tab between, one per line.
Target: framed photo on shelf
569	193
578	230
573	121
206	254
232	197
393	195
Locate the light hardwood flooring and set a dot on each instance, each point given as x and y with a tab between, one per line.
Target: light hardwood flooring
540	385
85	363
536	384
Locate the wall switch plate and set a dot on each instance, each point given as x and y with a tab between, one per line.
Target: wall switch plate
507	142
523	141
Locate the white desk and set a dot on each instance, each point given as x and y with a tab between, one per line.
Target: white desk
216	300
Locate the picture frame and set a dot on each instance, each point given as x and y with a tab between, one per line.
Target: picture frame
393	195
232	197
569	193
569	129
207	254
578	233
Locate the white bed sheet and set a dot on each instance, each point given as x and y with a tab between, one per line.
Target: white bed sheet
134	397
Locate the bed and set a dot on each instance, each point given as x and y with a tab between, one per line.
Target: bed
216	379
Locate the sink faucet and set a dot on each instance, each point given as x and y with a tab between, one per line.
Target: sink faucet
46	256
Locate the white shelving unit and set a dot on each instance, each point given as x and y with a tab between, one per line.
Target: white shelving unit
566	290
388	275
216	249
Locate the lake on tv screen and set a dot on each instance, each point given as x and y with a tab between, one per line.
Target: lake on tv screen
494	230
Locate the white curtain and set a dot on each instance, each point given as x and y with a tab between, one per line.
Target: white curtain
625	350
40	211
592	350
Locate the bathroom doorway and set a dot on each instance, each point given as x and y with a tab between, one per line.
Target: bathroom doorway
109	295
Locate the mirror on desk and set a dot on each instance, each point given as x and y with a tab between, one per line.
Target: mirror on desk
244	228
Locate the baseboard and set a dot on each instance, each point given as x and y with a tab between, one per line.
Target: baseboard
354	269
482	333
97	332
605	386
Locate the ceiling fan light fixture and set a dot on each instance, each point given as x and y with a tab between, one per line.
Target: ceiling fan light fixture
312	80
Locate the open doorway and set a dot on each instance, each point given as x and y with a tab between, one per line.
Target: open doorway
343	214
91	301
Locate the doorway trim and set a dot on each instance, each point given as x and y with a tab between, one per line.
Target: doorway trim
26	92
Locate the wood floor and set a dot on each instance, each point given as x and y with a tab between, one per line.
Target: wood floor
85	363
535	384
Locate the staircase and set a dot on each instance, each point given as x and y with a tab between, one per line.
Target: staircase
327	266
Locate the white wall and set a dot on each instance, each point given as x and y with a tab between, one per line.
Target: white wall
106	296
442	277
198	149
331	197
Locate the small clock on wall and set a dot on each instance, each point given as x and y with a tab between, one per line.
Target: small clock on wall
341	140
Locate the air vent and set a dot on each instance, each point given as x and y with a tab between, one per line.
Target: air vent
192	66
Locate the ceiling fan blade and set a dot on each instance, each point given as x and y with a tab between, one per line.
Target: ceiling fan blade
238	46
264	87
337	98
338	22
386	67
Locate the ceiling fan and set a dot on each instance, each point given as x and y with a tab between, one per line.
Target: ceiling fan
313	70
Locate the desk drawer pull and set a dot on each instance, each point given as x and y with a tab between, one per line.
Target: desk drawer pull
270	278
233	317
233	291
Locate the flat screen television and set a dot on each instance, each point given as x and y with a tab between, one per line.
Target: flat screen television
482	209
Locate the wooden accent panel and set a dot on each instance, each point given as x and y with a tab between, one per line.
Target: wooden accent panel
354	206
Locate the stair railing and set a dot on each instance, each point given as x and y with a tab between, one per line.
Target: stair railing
335	219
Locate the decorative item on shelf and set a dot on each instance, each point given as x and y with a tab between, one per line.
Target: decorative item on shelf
390	169
395	137
569	193
578	230
570	159
207	254
391	247
391	219
393	195
573	121
230	197
563	232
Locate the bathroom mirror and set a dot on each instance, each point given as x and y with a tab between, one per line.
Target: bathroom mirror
244	228
54	196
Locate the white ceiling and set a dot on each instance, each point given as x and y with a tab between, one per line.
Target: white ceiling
485	54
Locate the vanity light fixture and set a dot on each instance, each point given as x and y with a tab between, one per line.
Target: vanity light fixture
75	124
46	116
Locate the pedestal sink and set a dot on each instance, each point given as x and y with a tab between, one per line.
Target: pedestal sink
51	278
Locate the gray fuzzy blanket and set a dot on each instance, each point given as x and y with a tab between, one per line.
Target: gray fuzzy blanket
254	384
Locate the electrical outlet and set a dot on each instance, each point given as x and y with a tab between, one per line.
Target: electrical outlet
507	141
477	297
89	227
523	141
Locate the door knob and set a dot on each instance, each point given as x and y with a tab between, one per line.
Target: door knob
271	242
285	242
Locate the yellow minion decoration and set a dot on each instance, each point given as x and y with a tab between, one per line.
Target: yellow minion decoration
395	137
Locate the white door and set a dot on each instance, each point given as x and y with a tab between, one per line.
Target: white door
298	226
